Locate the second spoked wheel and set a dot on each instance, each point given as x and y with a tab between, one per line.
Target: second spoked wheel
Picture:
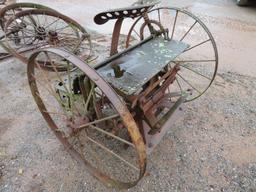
32	29
9	11
89	119
198	63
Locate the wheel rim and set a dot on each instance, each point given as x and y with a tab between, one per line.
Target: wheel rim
37	28
42	93
199	63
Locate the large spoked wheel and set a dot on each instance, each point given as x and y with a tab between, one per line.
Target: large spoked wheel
89	118
36	28
10	10
198	63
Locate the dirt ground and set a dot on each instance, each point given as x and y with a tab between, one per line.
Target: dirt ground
211	148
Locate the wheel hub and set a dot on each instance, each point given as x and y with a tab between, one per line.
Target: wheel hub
75	123
40	33
53	37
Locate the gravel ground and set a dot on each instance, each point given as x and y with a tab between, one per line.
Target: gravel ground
212	147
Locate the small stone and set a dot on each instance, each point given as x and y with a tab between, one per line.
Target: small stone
20	171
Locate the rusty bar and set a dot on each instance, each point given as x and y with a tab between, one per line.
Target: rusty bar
115	37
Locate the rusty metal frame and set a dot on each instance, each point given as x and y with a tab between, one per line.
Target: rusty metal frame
119	105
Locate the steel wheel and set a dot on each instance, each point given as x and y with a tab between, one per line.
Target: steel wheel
10	10
89	119
198	63
36	28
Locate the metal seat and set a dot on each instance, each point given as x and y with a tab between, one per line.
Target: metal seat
126	12
142	64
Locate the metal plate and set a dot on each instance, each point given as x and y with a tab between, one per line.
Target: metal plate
141	64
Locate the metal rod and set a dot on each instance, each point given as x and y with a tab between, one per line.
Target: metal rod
159	17
98	121
112	135
188	83
113	153
179	84
50	90
188	31
197	45
101	64
196	72
54	113
136	33
174	25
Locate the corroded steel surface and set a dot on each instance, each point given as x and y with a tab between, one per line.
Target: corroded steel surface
141	64
176	111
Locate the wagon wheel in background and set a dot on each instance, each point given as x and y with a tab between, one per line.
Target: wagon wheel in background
10	10
198	63
84	111
51	29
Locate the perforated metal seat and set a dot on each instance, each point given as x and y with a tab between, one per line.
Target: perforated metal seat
126	12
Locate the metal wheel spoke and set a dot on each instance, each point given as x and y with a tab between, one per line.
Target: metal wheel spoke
174	24
197	45
45	20
179	84
188	31
46	27
38	24
55	113
49	89
111	135
60	29
95	155
69	86
29	23
136	33
16	38
159	17
99	120
89	96
30	32
186	81
196	72
68	34
113	153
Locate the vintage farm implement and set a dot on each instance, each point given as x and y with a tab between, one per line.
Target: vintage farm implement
110	115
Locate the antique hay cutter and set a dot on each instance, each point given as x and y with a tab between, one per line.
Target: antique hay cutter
110	115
